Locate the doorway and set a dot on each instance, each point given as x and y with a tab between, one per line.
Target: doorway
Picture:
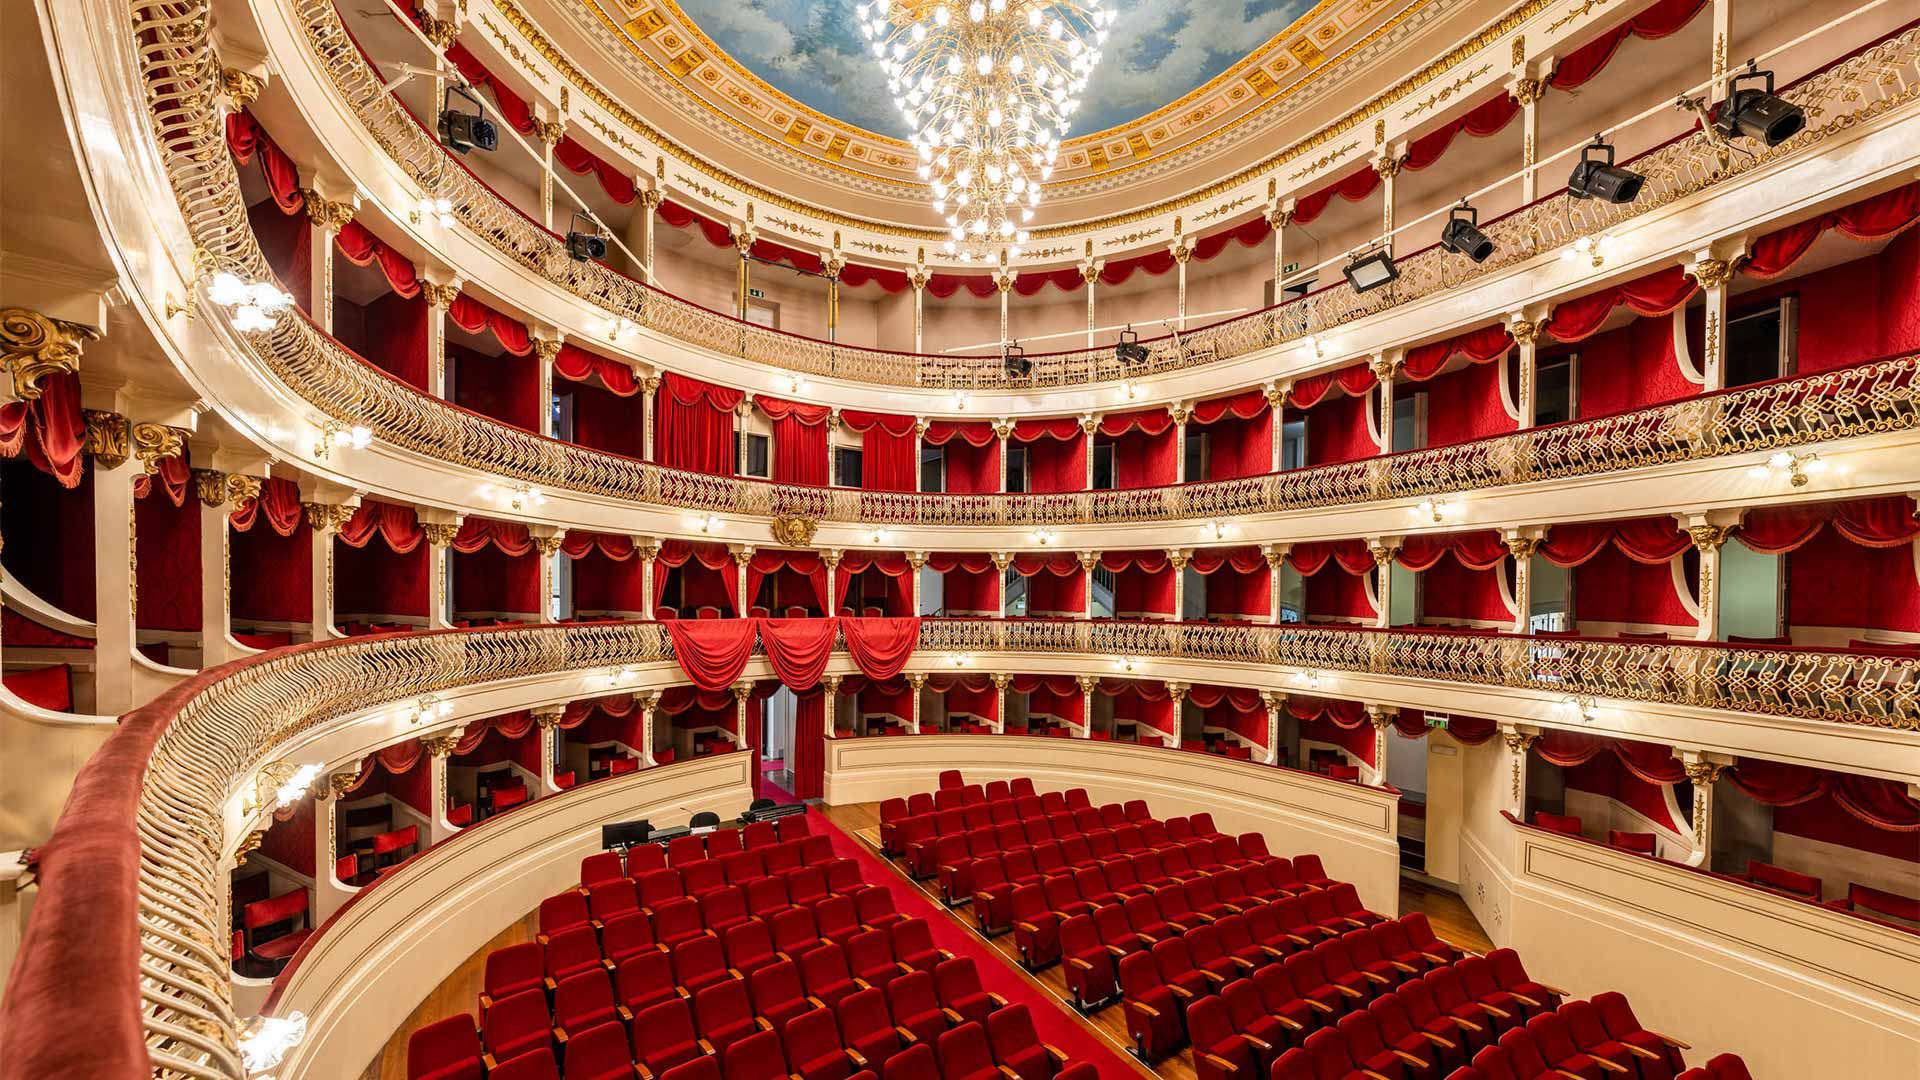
777	716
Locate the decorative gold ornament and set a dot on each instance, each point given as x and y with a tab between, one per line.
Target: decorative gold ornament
1383	367
1000	679
442	32
243	488
1177	560
249	844
440	534
1002	429
327	517
548	718
1526	331
1708	537
547	349
1177	691
1522	547
153	442
329	214
211	486
343	782
440	297
549	546
1711	273
1702	772
1383	553
552	131
108	438
34	346
794	531
1526	91
442	745
916	559
1089	560
240	87
1388	166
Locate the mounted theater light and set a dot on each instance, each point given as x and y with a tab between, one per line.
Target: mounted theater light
1597	177
585	245
1128	349
1462	234
1756	112
1372	270
1013	359
464	131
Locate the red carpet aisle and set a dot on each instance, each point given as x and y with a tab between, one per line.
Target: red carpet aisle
1057	1025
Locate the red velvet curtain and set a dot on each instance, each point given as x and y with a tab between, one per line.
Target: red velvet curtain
1658	293
1239	432
799	440
881	647
272	567
246	139
810	745
1055	584
167	541
889	450
1144	452
50	428
709	581
1338	430
1243	591
502	387
1874	218
890	564
1653	22
803	564
474	317
1056	454
712	652
693	425
397	337
362	248
970	583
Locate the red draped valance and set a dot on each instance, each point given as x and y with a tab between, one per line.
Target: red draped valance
1651	541
1311	557
1355	381
398	525
1151	421
1874	218
510	537
278	502
361	248
1478	346
473	316
51	429
577	543
1242	406
1479	550
971	432
1658	293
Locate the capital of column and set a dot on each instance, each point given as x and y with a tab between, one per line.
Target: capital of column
440	533
917	559
1089	560
916	679
1003	429
342	782
1087	682
442	745
1385	365
1276	555
109	438
331	215
1388	165
743	555
1381	716
1180	413
1525	91
1181	251
547	348
1383	549
552	131
1273	699
1089	272
1177	691
242	88
327	517
550	545
549	717
210	485
153	443
241	487
1280	217
34	346
440	295
1522	542
1278	394
1711	273
1001	560
1000	679
1710	530
1177	558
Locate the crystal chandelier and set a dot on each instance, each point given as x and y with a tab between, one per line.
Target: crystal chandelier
988	89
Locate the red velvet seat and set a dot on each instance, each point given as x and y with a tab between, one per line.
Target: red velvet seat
599	1053
1017	1046
1617	1015
766	897
1369	1048
1219	1052
723	909
813	1048
875	909
516	1025
645	858
703	877
915	1006
612	899
827	976
276	928
682	850
837	919
535	1064
1036	928
627	937
656	887
599	867
664	1036
870	958
964	1054
445	1050
749	946
678	920
1283	1001
778	992
582	1001
1310	981
1589	1034
960	990
1512	977
757	1057
701	962
571	953
1152	1011
741	867
913	945
868	1029
700	1068
512	969
1247	1014
645	980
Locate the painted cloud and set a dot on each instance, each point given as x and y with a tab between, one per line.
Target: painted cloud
1160	49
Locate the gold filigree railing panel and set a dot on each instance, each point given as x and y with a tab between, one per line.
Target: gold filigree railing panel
1836	99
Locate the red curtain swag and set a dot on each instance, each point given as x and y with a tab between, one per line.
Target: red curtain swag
1479	550
278	503
1242	406
246	139
807	564
361	248
1879	803
881	647
891	563
398	525
50	429
799	650
1886	522
1355	381
1149	421
889	449
1874	218
171	478
511	538
576	544
1656	21
693	425
1311	557
712	652
579	365
1479	346
1651	541
473	316
971	432
1658	293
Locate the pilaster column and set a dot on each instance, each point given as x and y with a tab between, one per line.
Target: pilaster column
546	349
440	296
915	560
1517	738
1526	341
647	550
918	279
1722	33
1003	430
919	422
1088	561
1279	217
1714	273
1521	543
740	424
440	527
1180	414
1381	717
741	692
1383	549
1089	424
329	892
1277	404
1087	685
1273	700
1177	565
327	217
1090	273
1709	532
1276	556
547	720
1385	366
108	443
1001	560
1388	166
549	133
1000	681
917	680
439	748
547	541
1003	281
1703	769
831	559
650	199
649	395
1181	252
831	267
1527	89
743	241
742	555
216	569
830	687
1177	693
325	518
646	703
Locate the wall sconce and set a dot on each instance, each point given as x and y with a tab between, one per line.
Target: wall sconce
429	708
791	384
525	495
1042	537
334	433
960	401
1434	509
625	675
1594	249
613	329
1130	390
439	210
1798	468
1313	345
961	661
265	1040
1582	707
706	523
879	536
1310	679
1129	664
1219	530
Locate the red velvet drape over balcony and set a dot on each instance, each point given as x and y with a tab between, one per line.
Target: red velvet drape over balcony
693	425
889	449
799	440
49	429
801	578
972	455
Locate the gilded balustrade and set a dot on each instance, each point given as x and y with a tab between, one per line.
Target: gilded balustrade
1843	95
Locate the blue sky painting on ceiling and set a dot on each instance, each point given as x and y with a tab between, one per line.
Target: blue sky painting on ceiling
1159	49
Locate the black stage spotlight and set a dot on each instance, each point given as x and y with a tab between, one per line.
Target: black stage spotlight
1371	270
1462	234
1128	349
1755	112
1014	360
464	131
587	244
1595	178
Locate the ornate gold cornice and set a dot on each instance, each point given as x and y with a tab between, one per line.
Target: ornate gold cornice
439	297
34	346
1708	537
549	546
1711	273
441	745
154	442
1522	547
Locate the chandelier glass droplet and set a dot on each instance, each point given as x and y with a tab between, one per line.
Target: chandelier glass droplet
988	89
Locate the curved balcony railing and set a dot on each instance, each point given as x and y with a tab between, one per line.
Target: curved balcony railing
1837	98
146	816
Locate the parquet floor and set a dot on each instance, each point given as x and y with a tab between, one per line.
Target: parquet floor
1448	914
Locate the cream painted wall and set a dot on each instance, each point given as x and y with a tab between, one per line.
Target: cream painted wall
1446	806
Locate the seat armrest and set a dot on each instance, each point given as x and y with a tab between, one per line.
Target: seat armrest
705	1047
953	1017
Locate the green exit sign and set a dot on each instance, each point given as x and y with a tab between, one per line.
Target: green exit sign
756	294
1290	268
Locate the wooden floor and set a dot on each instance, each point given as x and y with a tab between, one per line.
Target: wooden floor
459	993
